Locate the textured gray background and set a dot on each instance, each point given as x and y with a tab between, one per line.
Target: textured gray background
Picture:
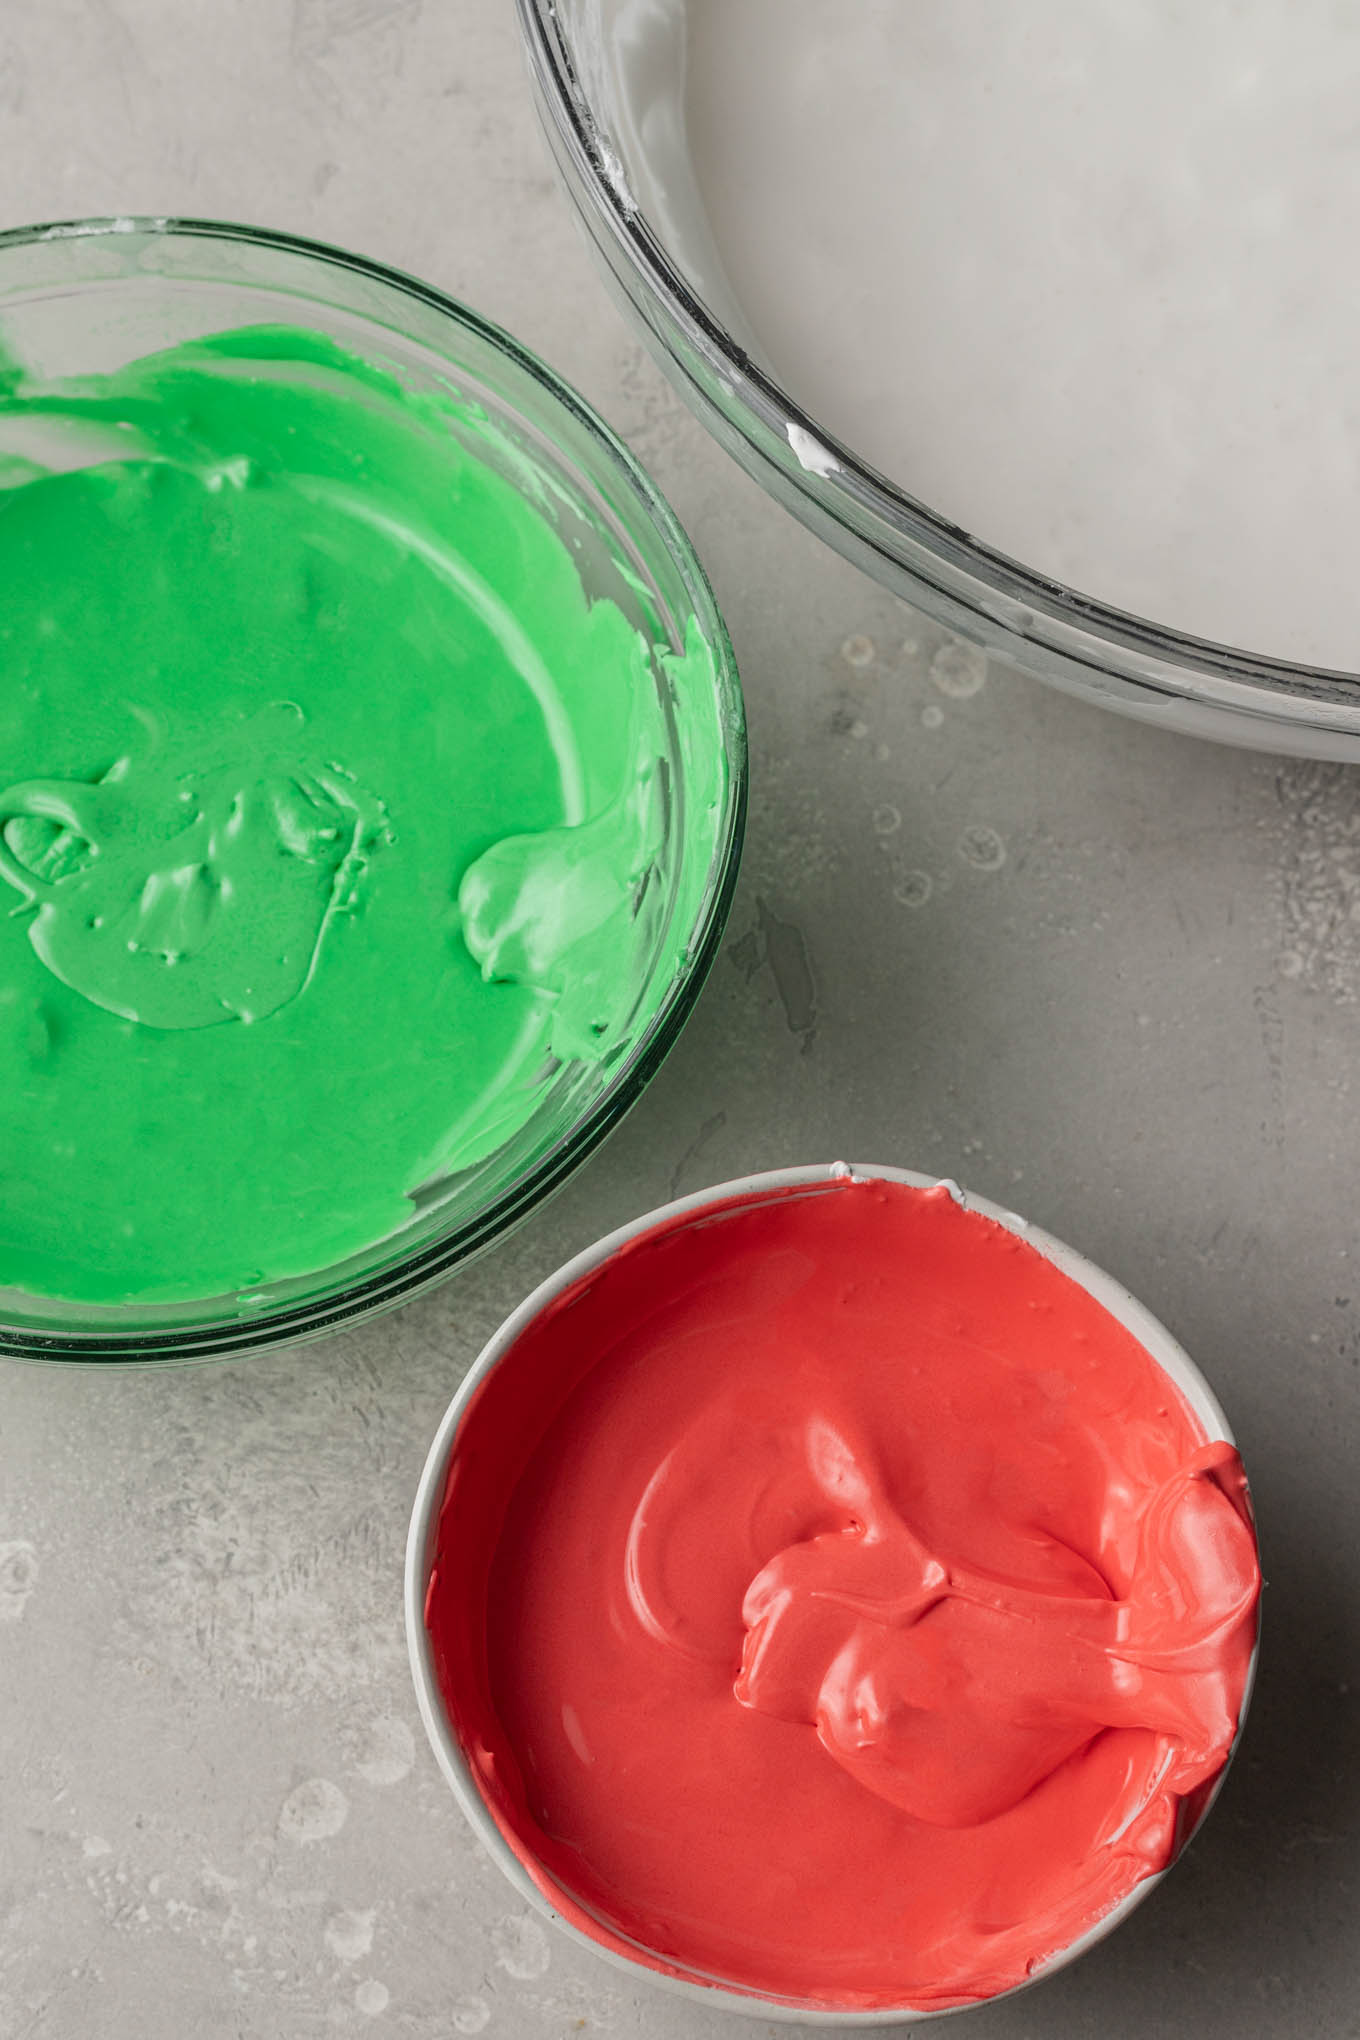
1105	976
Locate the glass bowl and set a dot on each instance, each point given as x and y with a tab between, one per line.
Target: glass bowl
1056	634
534	1885
91	295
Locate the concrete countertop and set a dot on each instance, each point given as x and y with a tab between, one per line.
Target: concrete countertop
1105	976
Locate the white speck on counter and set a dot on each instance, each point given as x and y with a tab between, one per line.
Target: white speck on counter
470	2015
913	889
314	1812
387	1752
858	650
349	1935
18	1571
980	846
521	1947
372	1997
959	670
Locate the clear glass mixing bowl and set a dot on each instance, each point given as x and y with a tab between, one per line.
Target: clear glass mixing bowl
91	295
1125	662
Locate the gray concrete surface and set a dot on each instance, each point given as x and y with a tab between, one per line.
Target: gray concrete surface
1108	977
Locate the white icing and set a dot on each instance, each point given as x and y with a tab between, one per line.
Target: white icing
811	454
1079	275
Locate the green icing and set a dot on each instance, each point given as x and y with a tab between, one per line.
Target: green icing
181	895
334	814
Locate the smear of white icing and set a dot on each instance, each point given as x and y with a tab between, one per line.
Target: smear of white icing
812	455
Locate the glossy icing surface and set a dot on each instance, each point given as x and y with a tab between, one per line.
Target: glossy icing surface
1071	274
831	1598
332	817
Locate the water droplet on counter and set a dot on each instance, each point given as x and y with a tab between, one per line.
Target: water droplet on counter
981	847
314	1812
959	670
521	1947
913	889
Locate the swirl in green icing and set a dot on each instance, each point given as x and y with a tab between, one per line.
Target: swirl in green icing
334	815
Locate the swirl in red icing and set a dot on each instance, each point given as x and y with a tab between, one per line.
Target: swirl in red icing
832	1599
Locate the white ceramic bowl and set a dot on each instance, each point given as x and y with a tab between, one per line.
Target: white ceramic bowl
421	1544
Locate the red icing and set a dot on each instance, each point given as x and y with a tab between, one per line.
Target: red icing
832	1599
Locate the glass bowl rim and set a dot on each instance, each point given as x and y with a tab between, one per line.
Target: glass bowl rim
1083	644
227	1334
